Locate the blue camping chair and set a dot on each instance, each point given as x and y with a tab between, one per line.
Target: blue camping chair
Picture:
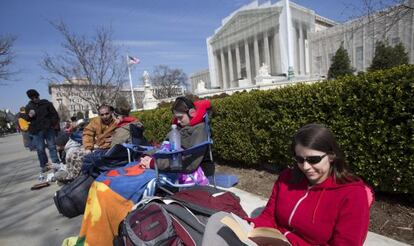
166	180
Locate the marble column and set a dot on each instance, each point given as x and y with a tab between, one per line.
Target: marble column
247	59
238	66
363	46
256	56
412	34
223	69
276	53
218	69
295	50
230	62
301	51
266	49
353	59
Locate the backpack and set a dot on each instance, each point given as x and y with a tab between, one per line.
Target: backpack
23	124
71	199
148	224
188	212
154	222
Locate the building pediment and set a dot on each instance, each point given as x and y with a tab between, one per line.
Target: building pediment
245	19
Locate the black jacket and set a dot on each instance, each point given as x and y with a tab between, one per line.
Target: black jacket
45	118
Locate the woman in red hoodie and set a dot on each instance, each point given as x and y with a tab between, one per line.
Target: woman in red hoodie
318	202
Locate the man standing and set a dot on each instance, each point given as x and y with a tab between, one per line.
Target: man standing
98	133
44	120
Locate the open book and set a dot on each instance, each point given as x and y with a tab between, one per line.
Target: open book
254	236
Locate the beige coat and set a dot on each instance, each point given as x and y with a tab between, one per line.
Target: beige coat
96	134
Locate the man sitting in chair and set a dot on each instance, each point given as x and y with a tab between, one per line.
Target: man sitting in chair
98	133
113	194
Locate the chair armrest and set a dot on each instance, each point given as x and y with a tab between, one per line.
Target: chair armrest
167	154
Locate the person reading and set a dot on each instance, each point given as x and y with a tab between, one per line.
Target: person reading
316	202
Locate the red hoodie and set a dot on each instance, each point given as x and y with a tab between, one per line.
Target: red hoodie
324	214
126	120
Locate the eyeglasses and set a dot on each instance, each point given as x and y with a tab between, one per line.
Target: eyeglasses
309	159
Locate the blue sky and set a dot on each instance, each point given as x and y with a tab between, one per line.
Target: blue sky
171	32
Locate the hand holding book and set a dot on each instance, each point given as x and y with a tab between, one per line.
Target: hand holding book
254	236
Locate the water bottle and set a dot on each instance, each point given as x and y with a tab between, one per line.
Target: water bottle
175	144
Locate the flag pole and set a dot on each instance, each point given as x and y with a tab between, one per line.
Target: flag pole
134	107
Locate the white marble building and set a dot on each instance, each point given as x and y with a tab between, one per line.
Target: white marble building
359	37
262	44
70	97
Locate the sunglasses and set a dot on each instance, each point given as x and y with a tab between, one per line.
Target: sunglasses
309	159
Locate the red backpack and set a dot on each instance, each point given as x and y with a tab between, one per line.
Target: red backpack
149	224
176	220
154	222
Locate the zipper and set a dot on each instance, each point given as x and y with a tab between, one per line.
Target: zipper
297	205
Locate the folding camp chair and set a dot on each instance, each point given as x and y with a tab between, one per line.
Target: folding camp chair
163	180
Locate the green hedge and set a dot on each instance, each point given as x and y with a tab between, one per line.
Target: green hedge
371	114
157	123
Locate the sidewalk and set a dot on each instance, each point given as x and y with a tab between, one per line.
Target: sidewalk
30	217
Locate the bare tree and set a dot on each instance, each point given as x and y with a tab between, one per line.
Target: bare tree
95	63
168	82
6	56
381	16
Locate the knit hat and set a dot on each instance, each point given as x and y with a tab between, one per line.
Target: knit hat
32	93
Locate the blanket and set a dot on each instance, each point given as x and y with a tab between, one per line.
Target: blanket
110	198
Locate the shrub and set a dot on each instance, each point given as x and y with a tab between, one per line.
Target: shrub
371	115
156	122
386	56
341	64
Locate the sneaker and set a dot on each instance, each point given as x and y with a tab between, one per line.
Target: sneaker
42	177
50	177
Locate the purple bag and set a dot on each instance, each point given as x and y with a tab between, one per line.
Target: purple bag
197	177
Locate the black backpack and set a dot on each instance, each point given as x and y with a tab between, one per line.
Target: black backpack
71	199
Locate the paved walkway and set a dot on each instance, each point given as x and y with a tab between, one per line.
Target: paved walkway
30	217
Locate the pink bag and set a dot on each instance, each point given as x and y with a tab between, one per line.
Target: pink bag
197	177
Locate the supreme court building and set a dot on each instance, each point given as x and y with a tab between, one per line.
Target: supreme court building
267	43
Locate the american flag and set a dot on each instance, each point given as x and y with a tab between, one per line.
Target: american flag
133	60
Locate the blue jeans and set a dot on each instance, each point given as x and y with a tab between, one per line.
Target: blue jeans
39	139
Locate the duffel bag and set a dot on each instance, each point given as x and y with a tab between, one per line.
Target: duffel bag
71	199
